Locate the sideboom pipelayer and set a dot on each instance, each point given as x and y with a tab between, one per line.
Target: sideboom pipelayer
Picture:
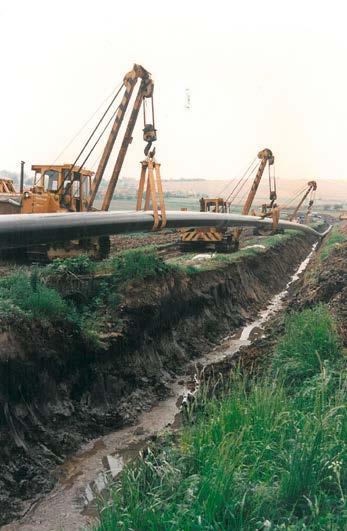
72	188
227	239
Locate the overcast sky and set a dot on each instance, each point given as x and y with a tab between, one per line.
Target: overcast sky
267	73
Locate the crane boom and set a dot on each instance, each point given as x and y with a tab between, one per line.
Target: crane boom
265	155
145	91
221	238
311	187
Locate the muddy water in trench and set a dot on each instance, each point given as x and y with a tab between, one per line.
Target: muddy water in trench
81	478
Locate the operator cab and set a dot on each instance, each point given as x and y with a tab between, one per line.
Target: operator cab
71	185
218	205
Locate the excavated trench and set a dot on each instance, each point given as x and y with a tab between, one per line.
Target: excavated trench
57	391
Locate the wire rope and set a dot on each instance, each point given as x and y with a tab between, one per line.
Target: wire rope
85	124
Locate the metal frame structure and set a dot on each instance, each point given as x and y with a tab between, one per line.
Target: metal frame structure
150	180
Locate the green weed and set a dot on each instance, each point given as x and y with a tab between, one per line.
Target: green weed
309	341
334	239
79	265
261	455
136	264
20	292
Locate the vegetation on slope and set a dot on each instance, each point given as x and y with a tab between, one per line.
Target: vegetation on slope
214	260
36	294
23	296
42	294
335	238
267	454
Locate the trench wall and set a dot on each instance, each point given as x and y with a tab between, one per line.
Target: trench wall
56	390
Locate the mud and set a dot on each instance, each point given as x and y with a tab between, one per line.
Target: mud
57	392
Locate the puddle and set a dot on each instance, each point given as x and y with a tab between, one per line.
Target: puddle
255	246
203	256
275	305
83	477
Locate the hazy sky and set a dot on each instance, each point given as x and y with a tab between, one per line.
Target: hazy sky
260	74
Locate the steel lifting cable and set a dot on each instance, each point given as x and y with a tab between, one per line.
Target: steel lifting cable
96	160
272	179
243	197
243	185
98	139
312	195
245	175
297	194
85	124
229	183
288	203
125	119
232	199
91	136
240	185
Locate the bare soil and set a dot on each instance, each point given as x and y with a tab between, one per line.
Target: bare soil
120	242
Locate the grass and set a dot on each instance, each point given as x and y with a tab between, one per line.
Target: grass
184	261
111	278
334	239
310	341
25	295
136	264
36	294
266	454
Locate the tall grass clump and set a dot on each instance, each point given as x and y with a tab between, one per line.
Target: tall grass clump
136	264
78	265
334	239
27	295
310	340
262	454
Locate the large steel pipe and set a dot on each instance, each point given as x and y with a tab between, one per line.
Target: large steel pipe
29	229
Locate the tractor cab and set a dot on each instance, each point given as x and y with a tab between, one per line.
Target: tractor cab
218	205
64	187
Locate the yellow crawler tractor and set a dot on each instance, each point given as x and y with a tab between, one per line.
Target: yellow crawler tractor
226	239
56	189
72	188
206	238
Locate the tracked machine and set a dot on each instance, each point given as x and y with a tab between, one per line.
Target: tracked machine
226	239
268	210
72	188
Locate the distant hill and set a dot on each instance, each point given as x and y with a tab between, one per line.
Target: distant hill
328	190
